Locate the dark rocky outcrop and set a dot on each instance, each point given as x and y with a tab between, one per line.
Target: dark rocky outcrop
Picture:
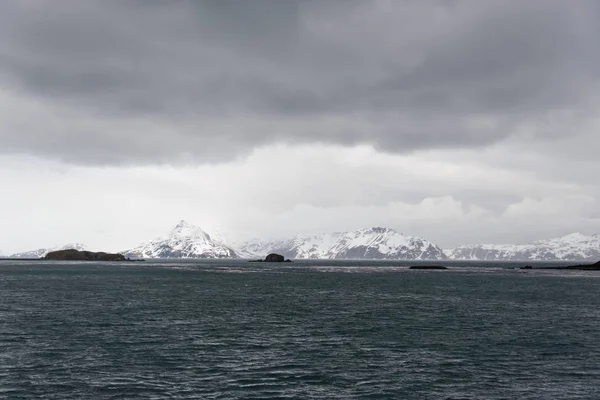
76	255
580	267
273	257
427	267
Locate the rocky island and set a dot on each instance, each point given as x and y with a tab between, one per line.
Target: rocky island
273	257
77	255
427	267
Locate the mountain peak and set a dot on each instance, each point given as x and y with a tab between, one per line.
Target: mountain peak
574	236
184	241
186	229
74	246
183	224
379	229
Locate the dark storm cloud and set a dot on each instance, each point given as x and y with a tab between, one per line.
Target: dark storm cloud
217	78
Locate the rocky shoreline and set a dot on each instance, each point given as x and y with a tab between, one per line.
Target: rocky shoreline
580	267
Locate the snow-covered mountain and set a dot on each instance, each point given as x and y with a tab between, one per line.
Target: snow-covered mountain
184	241
370	243
39	253
570	247
255	248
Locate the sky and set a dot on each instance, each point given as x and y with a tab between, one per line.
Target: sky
462	121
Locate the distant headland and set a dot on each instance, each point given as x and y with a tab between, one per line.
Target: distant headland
79	255
580	267
75	255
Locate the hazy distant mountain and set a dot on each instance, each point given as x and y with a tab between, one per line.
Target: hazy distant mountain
370	243
571	247
39	253
184	241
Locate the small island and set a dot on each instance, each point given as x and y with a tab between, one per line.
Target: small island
77	255
427	267
273	257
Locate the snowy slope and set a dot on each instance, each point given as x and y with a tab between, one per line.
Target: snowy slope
370	243
39	253
184	241
306	246
570	247
255	248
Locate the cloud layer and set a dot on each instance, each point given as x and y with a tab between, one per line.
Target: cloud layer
116	82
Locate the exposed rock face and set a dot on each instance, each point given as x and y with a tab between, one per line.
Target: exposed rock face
77	255
371	243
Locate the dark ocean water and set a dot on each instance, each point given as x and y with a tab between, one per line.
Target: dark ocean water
313	330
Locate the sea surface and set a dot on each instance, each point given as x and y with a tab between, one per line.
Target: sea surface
307	330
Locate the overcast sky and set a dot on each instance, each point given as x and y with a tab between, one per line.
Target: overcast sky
459	121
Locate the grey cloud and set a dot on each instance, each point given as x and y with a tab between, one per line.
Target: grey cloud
157	80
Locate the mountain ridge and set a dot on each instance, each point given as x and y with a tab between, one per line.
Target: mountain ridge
367	243
571	247
189	241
